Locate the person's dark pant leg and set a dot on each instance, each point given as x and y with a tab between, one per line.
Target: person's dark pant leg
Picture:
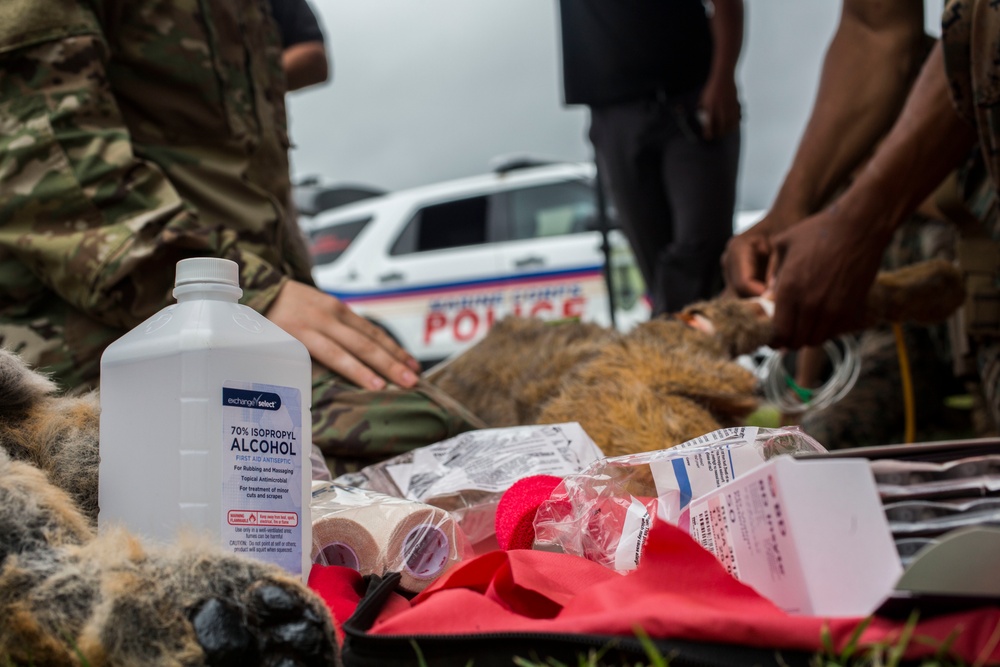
675	194
700	180
628	157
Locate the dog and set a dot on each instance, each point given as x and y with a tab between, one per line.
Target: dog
71	596
668	380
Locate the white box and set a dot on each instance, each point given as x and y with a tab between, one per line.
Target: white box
810	535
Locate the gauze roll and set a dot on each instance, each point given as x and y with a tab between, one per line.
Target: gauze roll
374	533
342	541
420	544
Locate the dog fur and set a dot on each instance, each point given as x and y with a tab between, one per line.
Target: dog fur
662	383
668	380
70	596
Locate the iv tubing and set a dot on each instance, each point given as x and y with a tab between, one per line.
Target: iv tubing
777	381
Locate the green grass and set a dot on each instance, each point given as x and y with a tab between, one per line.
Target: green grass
593	657
888	654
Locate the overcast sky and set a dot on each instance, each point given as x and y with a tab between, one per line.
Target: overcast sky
431	90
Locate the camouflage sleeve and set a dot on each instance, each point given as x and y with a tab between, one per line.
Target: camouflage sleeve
98	225
956	38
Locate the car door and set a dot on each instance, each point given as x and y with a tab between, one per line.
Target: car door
553	253
437	278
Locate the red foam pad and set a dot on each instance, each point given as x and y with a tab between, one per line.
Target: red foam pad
517	507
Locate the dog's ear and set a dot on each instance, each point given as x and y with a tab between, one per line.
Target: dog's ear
740	325
20	386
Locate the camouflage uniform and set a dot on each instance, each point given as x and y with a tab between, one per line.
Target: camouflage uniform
971	38
134	133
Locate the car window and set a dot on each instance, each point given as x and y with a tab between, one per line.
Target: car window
551	210
329	243
446	225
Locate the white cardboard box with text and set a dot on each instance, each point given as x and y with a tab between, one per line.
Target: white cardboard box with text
809	535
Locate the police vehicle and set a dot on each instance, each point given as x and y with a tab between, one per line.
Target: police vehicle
437	266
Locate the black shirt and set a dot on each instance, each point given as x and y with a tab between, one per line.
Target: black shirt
621	50
296	21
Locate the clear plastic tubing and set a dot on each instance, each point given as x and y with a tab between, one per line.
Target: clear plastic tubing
780	389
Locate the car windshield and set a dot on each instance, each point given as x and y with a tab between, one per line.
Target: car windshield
327	244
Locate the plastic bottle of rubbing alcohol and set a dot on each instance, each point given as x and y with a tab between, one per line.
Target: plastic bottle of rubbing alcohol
205	424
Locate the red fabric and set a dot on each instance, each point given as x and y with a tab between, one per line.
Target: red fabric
517	507
679	591
341	588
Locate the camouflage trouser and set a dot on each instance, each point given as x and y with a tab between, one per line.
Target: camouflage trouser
970	36
352	427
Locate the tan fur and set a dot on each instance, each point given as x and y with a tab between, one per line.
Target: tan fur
66	592
528	383
652	388
670	384
922	293
69	596
662	383
57	434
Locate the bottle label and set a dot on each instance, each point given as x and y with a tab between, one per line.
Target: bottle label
262	465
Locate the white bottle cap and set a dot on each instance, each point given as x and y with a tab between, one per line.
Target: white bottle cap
207	270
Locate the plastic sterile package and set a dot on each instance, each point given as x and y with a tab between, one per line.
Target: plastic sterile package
928	518
604	512
375	533
964	478
466	475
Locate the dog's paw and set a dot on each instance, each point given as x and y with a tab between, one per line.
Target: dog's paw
271	625
190	603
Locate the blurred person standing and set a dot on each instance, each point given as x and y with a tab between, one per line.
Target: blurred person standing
659	79
304	56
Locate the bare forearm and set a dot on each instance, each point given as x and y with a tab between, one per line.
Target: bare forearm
305	64
719	104
826	264
867	72
928	140
727	37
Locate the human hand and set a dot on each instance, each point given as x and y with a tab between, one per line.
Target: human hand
341	340
747	255
719	109
822	272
